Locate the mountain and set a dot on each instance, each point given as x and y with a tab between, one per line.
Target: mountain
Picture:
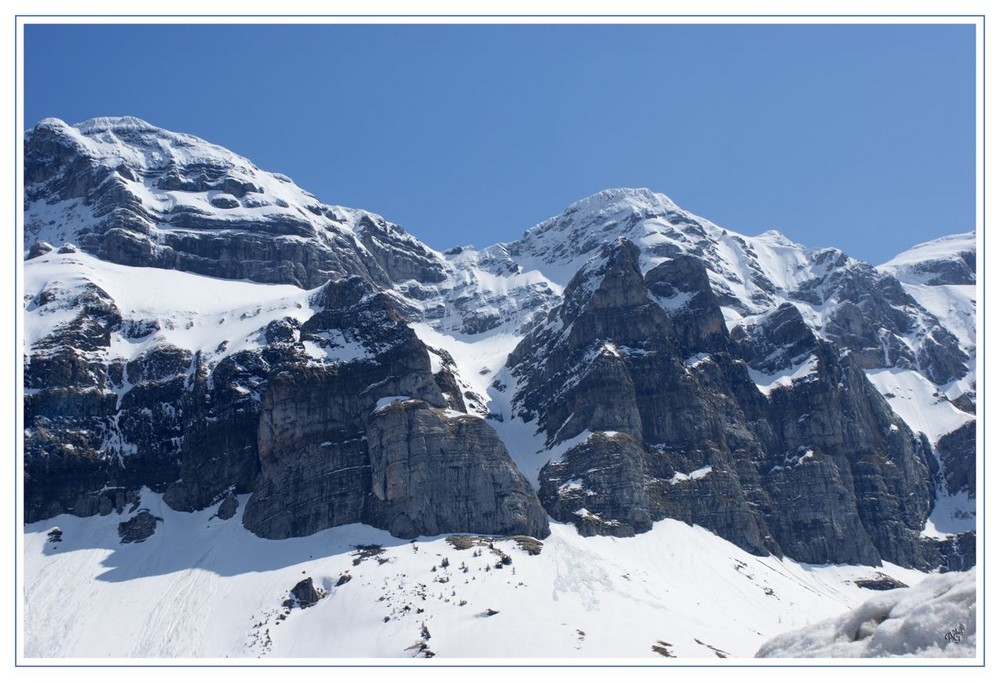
202	337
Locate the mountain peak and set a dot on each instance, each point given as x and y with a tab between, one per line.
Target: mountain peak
946	260
606	205
624	197
101	124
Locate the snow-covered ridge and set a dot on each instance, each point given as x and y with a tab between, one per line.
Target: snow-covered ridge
184	188
212	316
947	260
147	147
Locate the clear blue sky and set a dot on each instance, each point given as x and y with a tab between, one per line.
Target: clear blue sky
861	137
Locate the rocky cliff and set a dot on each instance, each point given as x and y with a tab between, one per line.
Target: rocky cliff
203	328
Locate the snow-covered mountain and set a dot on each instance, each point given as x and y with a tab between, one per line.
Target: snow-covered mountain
200	332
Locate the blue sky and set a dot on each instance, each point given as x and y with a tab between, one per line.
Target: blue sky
860	137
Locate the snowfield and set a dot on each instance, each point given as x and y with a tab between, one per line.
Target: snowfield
204	587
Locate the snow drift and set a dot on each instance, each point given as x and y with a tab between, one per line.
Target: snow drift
935	619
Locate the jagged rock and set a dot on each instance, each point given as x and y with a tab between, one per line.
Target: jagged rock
817	467
881	582
771	437
955	553
305	593
139	528
957	452
433	474
780	341
222	421
94	162
682	288
875	316
323	451
315	467
599	486
39	248
883	469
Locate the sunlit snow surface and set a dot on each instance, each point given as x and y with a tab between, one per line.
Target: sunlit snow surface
193	312
204	587
935	619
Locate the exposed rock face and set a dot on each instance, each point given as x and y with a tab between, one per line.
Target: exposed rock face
140	195
315	468
957	451
600	486
432	472
957	553
327	460
944	261
874	318
286	419
818	468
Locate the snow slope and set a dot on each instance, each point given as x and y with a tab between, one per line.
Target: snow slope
204	587
214	316
936	261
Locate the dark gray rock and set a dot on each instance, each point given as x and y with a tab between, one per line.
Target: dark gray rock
820	470
782	340
139	528
433	474
39	248
881	583
327	459
224	201
886	481
228	507
956	553
682	287
305	593
874	316
599	486
957	452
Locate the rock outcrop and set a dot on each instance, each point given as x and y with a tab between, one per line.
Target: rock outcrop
139	528
643	368
432	471
330	456
957	452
